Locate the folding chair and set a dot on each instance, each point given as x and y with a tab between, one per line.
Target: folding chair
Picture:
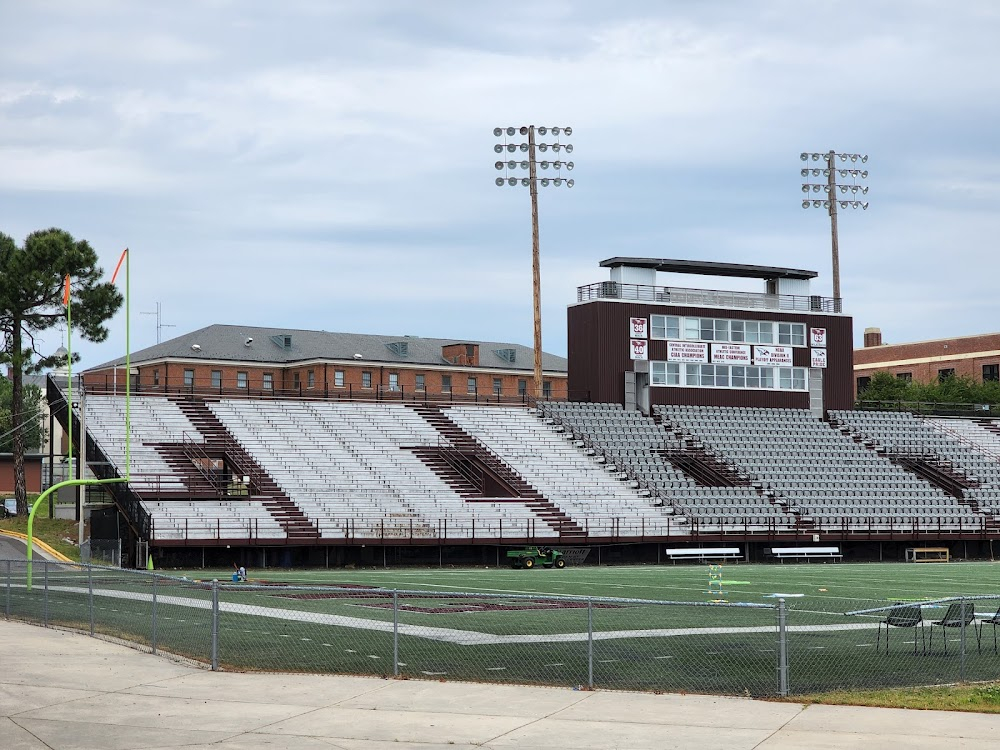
958	615
903	616
994	621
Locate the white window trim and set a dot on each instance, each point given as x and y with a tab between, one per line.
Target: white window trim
775	376
695	324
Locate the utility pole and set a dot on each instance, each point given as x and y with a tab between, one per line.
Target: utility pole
830	201
530	149
159	324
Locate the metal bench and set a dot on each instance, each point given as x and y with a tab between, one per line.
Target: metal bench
704	553
807	553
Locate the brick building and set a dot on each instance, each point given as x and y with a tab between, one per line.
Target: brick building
246	360
976	357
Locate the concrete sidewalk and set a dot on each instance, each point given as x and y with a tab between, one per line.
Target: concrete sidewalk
63	691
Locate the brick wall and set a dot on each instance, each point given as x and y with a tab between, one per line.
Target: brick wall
924	359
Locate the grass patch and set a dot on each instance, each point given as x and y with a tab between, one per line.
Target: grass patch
977	698
52	531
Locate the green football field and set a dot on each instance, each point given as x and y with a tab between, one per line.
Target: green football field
504	625
826	585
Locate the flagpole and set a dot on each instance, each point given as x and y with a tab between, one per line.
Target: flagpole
69	380
128	376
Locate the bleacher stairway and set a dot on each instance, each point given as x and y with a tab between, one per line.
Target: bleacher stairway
220	444
443	463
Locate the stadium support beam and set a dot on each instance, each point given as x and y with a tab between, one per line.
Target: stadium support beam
529	149
830	201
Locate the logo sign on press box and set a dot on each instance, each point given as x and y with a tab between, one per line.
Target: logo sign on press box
638	328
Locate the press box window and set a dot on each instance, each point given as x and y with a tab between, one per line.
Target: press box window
792	334
664	327
665	373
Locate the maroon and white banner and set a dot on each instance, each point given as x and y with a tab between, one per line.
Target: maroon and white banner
687	351
772	355
638	328
818	358
639	349
817	337
726	354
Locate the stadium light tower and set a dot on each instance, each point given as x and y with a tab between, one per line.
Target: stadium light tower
849	195
520	155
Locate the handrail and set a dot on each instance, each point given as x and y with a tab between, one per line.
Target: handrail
195	450
967	441
714	297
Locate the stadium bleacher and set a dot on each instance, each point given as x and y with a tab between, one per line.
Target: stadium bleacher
361	469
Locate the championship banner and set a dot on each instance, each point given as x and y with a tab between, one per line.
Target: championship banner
728	354
772	355
640	349
687	351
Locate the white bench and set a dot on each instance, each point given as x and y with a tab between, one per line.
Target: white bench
807	553
705	553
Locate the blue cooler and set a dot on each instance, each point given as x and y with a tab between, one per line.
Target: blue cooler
236	577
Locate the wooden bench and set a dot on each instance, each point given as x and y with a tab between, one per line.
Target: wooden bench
705	553
928	554
807	553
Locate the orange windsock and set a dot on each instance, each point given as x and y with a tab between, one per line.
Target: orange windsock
118	267
66	292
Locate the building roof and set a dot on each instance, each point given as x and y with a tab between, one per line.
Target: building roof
228	343
710	268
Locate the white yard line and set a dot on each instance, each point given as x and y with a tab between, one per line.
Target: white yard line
447	635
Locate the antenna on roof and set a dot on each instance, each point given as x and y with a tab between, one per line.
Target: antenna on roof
159	324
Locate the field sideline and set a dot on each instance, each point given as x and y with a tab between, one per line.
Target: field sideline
820	583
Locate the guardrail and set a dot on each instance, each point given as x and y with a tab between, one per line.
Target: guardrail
713	297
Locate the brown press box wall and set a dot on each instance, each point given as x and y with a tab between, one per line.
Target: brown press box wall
598	349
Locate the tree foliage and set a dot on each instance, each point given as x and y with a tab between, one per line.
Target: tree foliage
885	386
31	302
32	410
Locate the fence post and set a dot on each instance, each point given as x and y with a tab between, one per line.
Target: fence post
90	596
152	634
395	633
782	649
45	597
215	625
961	669
590	642
6	607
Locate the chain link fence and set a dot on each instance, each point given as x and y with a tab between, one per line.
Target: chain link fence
785	648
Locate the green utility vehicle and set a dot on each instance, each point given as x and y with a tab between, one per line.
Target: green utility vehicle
529	557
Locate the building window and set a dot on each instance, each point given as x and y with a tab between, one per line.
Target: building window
338	378
216	378
241	380
546	389
366	379
296	380
470	350
863	383
189	378
393	381
665	373
497	386
664	327
906	377
156	377
991	372
472	386
311	379
945	373
446	384
522	387
268	384
792	334
419	381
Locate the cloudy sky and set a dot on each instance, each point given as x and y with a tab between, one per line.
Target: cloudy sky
329	165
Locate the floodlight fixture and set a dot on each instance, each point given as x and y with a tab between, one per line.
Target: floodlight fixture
529	147
831	203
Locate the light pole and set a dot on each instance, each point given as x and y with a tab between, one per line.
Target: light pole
848	198
527	161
